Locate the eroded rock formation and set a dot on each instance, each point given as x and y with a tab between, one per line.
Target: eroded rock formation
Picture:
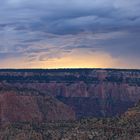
105	92
30	108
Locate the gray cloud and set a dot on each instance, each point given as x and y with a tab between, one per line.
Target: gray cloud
64	17
41	30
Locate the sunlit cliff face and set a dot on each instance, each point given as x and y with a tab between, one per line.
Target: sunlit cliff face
69	34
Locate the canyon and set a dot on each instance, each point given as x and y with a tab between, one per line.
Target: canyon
85	92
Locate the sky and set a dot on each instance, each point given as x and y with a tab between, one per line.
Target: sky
70	34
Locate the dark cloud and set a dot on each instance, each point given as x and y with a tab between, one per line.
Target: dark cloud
44	29
64	17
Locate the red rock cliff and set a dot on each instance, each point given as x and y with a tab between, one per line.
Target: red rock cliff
15	108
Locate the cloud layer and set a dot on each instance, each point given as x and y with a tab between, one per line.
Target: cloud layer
40	31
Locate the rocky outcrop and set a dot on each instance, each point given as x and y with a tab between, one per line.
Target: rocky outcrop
22	108
15	108
133	114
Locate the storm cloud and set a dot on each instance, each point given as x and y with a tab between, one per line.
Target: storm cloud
41	30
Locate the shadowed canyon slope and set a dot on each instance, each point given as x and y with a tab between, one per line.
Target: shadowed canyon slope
19	107
121	128
88	92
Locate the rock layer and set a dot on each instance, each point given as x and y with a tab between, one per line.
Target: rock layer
21	108
103	92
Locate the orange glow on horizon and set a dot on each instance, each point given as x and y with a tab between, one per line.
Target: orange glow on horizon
75	59
80	58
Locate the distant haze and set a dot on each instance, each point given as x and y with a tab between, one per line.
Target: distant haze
69	34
